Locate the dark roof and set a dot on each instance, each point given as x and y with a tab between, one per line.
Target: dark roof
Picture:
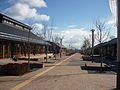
53	44
100	45
17	31
111	42
5	17
12	33
57	44
61	46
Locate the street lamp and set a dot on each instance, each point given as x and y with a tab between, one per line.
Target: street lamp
92	43
46	50
60	47
29	49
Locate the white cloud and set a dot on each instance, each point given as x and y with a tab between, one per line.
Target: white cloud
21	13
37	28
113	26
74	37
42	17
112	22
25	9
35	3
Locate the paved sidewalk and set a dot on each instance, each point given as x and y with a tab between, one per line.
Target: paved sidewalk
70	76
63	76
7	82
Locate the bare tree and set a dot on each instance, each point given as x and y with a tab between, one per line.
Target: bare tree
37	31
61	40
102	34
102	31
40	36
112	37
86	46
50	31
44	30
56	38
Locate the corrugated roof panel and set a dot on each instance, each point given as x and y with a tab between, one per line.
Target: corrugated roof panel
10	33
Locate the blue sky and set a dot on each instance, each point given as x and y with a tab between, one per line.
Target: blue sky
78	12
71	18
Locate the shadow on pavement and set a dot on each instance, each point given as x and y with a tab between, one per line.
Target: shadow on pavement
56	59
115	89
97	70
49	62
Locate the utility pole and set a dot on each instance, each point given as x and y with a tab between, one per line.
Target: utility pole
92	43
118	45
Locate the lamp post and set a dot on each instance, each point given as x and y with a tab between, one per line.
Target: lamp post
118	45
92	43
46	50
55	50
61	48
29	50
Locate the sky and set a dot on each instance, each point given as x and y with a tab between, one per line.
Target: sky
73	19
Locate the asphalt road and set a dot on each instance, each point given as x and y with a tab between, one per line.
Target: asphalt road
64	75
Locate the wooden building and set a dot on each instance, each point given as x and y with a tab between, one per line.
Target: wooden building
57	48
15	38
109	49
54	48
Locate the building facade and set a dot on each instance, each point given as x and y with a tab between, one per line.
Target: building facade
16	39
